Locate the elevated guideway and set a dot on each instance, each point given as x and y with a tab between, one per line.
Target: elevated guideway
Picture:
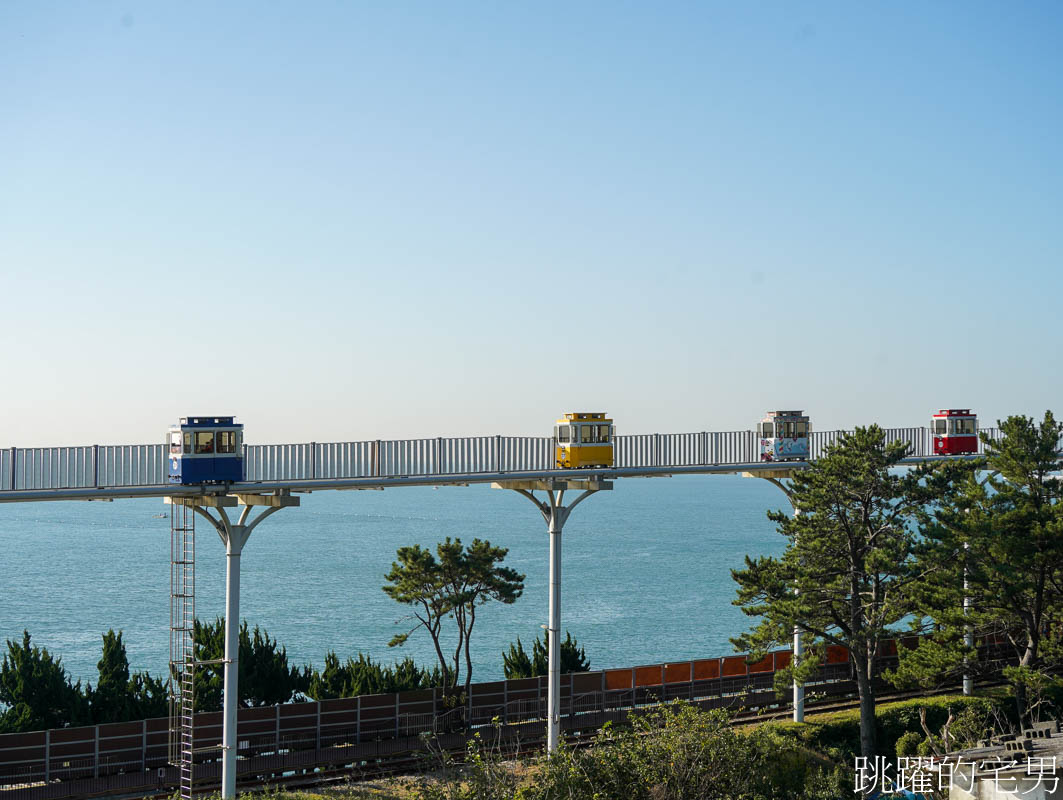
273	473
108	472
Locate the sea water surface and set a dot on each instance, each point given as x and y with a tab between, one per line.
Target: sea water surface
645	571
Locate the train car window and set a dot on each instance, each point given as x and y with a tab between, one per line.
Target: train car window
766	430
226	441
175	443
204	442
603	433
586	433
939	427
802	429
963	426
188	444
562	433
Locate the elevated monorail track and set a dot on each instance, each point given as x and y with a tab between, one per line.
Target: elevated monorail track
110	472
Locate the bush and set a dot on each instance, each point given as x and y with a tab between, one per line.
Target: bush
668	753
908	744
838	734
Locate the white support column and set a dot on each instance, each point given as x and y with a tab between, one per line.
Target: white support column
555	514
234	545
553	632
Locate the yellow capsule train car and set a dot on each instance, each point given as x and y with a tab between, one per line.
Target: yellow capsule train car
583	439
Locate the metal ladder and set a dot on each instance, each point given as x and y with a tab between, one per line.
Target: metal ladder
182	655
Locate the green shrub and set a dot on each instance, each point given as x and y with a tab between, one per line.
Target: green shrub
908	744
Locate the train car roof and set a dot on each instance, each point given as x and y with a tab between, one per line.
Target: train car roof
208	422
955	412
585	416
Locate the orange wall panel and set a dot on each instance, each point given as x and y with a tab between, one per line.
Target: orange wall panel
648	676
677	673
706	670
734	665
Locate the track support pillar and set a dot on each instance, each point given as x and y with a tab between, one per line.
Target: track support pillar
234	536
556	514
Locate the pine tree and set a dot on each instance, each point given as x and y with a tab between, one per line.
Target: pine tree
1002	530
517	664
265	677
452	583
119	696
36	690
111	700
851	556
364	676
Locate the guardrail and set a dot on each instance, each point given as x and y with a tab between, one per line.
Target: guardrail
117	466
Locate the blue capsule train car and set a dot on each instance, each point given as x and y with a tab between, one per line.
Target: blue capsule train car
206	450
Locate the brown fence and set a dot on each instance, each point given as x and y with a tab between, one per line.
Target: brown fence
130	757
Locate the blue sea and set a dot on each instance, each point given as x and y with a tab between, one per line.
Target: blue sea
645	571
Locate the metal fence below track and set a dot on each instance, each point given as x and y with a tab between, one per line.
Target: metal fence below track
131	757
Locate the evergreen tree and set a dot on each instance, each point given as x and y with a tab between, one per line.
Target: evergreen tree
516	663
850	556
453	583
331	682
118	696
36	690
111	700
265	677
1004	534
364	676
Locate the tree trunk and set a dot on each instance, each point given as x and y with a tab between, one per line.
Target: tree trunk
468	651
867	711
1021	703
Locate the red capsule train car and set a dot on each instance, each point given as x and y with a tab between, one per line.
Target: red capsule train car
955	432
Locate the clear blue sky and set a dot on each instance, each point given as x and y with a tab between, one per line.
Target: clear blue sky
348	220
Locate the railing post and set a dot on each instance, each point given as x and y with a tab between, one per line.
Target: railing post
96	752
396	715
47	756
14	463
439	455
276	728
313	460
498	453
317	728
358	722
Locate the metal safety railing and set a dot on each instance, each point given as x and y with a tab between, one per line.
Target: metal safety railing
97	466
